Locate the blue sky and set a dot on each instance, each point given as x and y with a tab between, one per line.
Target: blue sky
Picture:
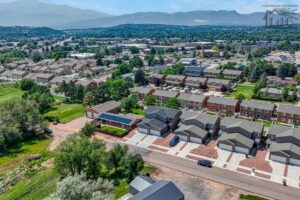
117	7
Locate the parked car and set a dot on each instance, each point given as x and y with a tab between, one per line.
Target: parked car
205	163
48	131
174	141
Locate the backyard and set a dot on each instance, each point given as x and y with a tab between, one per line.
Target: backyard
246	89
65	112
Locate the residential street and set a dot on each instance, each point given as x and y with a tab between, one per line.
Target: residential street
248	183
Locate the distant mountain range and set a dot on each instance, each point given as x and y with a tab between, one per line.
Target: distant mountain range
35	13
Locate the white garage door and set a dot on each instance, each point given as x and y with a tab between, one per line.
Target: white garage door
152	132
294	162
196	140
225	147
183	137
242	150
278	159
142	130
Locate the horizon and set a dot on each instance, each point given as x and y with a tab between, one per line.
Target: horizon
120	7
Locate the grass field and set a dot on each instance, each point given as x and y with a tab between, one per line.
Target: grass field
245	89
9	93
37	186
65	112
16	154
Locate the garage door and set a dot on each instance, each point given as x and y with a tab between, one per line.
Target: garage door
294	162
142	130
183	137
225	147
153	132
196	140
278	159
242	150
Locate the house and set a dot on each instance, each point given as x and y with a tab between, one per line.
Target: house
188	61
284	143
233	74
277	81
192	101
58	80
288	114
175	80
44	78
142	92
272	93
194	71
218	84
145	188
197	127
239	135
157	79
159	120
228	106
87	83
257	109
195	82
212	72
18	74
164	95
126	122
207	53
107	107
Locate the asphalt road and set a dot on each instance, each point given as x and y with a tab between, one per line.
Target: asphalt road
244	182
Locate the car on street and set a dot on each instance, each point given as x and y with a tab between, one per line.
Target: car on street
174	141
205	163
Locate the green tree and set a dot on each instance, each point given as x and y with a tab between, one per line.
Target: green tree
26	84
79	187
297	78
285	93
240	97
128	103
149	100
172	103
134	50
116	157
88	129
36	56
89	99
134	164
140	77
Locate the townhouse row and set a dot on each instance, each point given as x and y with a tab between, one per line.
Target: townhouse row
253	109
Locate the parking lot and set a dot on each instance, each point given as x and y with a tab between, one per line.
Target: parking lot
259	166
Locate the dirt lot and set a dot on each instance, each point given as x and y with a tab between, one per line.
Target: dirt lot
195	188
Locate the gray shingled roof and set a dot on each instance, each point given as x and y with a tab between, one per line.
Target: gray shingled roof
106	107
202	117
160	190
165	93
212	70
232	72
192	130
167	112
142	90
283	108
217	81
284	148
197	80
177	77
191	97
152	124
223	101
245	124
283	131
258	104
141	182
226	137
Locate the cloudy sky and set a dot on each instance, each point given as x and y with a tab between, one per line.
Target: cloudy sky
117	7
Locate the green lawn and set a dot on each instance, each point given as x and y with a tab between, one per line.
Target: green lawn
113	130
37	186
245	89
138	111
16	154
8	93
251	197
122	189
65	112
